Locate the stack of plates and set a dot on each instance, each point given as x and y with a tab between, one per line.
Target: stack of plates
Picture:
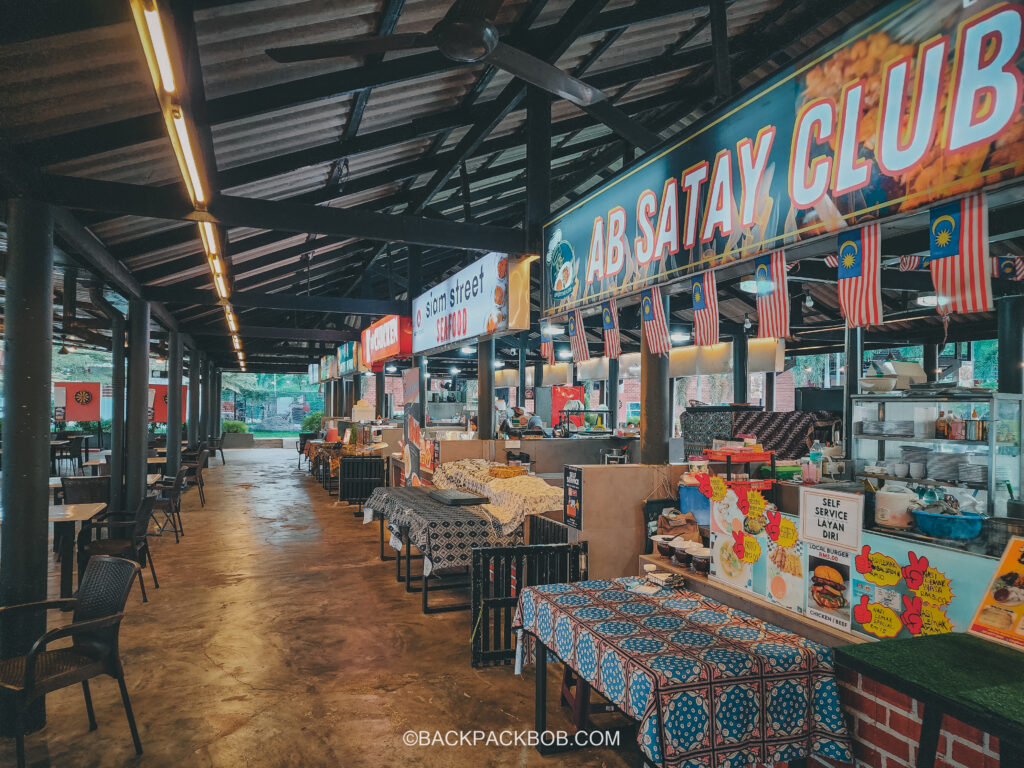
945	466
973	473
914	453
898	428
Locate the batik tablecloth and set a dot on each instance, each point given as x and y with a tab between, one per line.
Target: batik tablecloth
711	685
445	535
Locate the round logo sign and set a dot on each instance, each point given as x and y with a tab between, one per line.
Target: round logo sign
561	264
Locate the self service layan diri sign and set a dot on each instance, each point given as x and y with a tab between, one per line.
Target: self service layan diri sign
489	297
917	103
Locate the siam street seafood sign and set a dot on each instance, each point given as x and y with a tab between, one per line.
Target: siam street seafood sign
917	103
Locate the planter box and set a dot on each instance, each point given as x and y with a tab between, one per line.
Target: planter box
237	439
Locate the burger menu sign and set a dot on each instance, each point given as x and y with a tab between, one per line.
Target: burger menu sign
489	297
919	102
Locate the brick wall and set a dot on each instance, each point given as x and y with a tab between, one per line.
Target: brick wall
886	727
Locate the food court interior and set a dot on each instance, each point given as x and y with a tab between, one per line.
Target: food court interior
672	366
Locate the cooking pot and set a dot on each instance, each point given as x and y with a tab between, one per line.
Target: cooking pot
893	504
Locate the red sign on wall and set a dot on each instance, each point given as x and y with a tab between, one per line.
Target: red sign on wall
83	400
388	338
160	402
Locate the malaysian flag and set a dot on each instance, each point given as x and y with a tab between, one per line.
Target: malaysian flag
772	296
705	309
958	256
832	260
547	345
860	276
652	310
578	338
1008	267
910	263
610	322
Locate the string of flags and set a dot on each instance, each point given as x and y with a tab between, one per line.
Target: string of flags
958	260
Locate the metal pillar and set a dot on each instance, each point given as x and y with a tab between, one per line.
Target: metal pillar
538	166
357	388
931	362
421	363
854	348
538	374
217	389
1010	332
740	378
769	391
174	404
381	397
485	420
137	430
655	403
195	367
612	393
117	385
212	396
28	341
203	431
524	340
720	49
346	397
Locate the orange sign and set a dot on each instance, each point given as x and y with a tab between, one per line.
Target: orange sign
82	400
388	338
159	412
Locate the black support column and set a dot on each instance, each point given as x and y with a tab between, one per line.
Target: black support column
524	341
117	385
740	377
174	404
485	389
212	395
538	166
28	342
854	348
217	375
769	391
931	362
195	367
421	364
357	388
655	403
381	398
137	432
204	398
612	393
1010	331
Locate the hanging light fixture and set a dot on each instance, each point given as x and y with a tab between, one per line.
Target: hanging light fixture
746	323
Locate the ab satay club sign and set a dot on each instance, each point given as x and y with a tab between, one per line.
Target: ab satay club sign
919	102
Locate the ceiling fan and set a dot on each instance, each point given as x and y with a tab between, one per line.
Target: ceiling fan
467	34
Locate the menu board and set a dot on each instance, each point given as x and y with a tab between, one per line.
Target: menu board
904	588
738	539
785	562
1000	612
832	517
572	497
828	584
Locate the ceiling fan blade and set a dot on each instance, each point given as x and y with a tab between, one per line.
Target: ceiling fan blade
358	46
467	10
543	75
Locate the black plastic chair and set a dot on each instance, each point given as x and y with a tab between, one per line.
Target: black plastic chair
195	473
96	622
72	452
217	444
127	539
169	504
300	444
86	490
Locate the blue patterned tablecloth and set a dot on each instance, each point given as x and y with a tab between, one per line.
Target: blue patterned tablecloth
710	685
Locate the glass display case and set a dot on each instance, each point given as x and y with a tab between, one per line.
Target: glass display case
977	446
937	445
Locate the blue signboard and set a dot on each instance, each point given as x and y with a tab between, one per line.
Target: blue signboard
918	103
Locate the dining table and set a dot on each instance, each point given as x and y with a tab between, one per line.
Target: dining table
708	684
64	517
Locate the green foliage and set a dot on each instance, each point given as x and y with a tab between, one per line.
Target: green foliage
234	426
311	423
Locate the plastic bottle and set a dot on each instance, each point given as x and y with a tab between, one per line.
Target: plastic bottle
816	458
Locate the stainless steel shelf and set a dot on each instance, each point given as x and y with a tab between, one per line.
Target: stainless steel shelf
941	440
926	481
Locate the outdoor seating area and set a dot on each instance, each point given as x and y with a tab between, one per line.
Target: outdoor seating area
512	383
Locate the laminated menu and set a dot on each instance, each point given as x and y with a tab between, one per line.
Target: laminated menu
1000	614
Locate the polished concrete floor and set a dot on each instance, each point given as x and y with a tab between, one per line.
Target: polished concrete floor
277	638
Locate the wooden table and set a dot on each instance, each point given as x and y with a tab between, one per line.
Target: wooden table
64	517
976	681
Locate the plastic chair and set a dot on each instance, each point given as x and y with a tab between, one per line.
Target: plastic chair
170	504
96	622
86	490
132	543
216	444
195	473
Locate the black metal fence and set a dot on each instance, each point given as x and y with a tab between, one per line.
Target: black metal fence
498	575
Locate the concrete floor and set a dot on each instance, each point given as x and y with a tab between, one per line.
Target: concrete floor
277	638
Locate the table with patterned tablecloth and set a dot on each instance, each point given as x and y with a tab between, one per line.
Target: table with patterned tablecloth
710	685
445	535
